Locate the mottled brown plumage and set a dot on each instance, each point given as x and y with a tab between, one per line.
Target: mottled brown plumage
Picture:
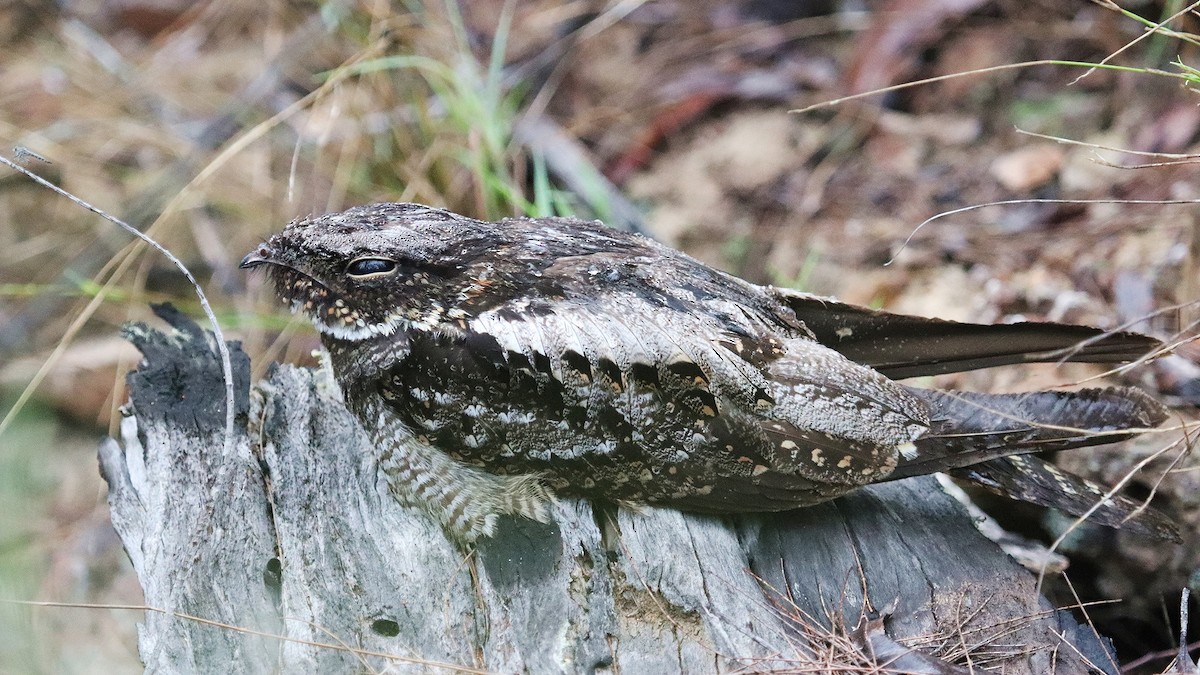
499	363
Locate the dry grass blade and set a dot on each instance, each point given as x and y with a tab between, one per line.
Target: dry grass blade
832	645
1014	202
336	646
985	71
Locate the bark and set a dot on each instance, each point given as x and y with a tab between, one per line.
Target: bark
293	548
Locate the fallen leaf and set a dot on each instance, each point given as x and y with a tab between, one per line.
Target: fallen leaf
1029	167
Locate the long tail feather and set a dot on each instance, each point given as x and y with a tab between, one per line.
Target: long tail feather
986	439
1036	481
970	428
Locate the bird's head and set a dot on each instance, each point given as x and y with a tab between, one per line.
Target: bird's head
375	270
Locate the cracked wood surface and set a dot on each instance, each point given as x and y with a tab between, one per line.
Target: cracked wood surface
294	539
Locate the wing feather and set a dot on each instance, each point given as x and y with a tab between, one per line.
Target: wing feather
902	346
801	409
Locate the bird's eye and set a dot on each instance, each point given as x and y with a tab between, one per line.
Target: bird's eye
365	268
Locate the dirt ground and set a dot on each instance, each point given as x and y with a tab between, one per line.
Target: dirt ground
212	124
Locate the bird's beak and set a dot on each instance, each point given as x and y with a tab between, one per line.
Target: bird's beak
261	255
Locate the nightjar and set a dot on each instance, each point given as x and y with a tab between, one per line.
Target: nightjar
498	364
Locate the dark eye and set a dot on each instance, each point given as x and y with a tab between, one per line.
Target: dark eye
370	267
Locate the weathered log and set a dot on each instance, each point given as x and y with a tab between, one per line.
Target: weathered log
292	546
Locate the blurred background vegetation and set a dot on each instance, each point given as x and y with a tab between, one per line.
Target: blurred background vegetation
211	124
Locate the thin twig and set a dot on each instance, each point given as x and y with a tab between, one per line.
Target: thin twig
218	336
983	71
1157	28
1013	202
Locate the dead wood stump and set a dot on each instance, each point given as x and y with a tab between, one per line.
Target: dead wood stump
292	543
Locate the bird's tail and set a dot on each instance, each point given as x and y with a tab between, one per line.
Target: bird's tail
987	439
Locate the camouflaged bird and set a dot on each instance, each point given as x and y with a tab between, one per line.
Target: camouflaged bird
497	364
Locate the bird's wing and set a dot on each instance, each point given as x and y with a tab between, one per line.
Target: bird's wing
721	349
901	346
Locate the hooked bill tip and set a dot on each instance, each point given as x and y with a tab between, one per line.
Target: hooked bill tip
257	257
